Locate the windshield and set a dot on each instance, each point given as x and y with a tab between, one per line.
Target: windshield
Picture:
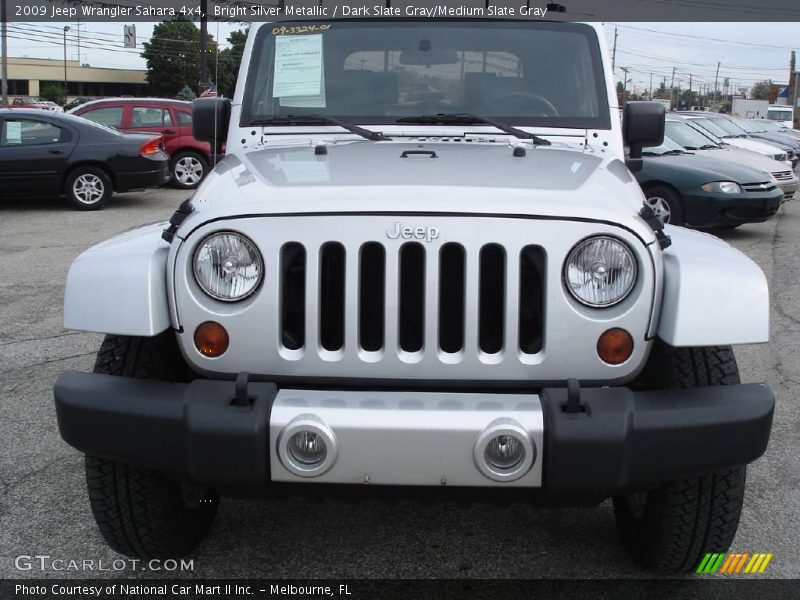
729	126
712	127
523	73
777	114
669	146
687	136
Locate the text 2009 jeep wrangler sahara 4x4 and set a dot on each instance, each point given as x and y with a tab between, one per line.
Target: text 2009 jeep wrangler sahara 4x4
422	264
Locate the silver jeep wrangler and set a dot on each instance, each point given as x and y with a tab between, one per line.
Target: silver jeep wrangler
423	266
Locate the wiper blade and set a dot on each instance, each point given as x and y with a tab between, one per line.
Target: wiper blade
709	147
470	119
375	136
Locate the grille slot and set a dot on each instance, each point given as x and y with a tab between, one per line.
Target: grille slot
293	295
331	296
412	297
531	299
371	298
451	297
491	304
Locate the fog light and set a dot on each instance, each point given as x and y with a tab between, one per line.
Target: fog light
615	346
307	447
211	339
504	450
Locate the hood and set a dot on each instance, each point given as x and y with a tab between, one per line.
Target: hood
423	176
744	157
762	147
697	170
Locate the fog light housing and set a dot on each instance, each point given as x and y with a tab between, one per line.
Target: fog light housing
307	447
504	451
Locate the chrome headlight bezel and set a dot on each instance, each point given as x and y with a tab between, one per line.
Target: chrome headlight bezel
634	264
249	245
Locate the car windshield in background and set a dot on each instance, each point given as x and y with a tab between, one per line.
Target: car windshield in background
729	127
687	136
523	73
668	147
779	114
712	127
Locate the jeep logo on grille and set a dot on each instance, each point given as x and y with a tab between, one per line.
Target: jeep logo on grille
418	233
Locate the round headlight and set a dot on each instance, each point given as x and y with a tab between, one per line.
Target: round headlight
600	271
228	266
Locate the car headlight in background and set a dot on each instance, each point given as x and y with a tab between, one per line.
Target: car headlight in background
228	266
600	271
726	187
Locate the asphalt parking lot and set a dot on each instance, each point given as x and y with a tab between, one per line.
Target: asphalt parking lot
43	504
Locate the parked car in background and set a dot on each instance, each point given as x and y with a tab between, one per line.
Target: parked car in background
773	126
50	154
190	159
77	102
686	189
702	143
50	105
759	132
717	125
27	102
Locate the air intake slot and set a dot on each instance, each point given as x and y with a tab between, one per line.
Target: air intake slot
451	298
371	296
412	297
531	299
293	295
331	296
491	303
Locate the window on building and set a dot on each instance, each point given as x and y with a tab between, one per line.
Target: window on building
30	132
146	116
110	116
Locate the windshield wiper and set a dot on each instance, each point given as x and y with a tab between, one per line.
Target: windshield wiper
709	147
375	136
470	119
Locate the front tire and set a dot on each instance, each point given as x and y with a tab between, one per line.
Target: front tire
141	512
670	528
188	169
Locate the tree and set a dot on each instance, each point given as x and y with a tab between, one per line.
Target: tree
229	61
52	92
760	90
173	57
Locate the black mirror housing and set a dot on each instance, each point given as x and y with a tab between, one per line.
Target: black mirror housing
210	117
642	126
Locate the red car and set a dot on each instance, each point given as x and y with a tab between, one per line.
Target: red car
190	159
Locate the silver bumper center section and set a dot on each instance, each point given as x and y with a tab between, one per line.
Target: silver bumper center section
406	438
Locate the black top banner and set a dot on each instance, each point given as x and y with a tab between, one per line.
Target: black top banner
128	11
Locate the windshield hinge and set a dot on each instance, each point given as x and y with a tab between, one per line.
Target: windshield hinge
178	217
657	225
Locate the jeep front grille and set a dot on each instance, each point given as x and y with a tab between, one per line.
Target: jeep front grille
404	278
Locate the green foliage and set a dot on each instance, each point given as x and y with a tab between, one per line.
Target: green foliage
173	57
229	61
52	92
760	90
186	94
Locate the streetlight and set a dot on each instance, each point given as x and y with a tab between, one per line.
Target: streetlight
66	29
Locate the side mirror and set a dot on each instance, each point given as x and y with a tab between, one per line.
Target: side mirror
642	126
210	117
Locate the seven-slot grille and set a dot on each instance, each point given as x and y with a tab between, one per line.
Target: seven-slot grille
782	175
412	298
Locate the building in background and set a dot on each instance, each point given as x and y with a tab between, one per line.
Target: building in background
26	76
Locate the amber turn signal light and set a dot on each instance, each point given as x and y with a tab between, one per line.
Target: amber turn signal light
211	339
615	346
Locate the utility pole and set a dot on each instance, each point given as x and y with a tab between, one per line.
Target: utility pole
4	35
624	84
66	29
203	44
613	54
672	87
716	79
651	86
794	103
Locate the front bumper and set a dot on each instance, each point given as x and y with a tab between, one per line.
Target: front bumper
706	209
618	440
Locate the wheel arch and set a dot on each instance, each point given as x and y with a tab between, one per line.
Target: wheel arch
90	163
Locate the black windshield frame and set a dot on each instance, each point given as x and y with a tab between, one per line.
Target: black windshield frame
602	121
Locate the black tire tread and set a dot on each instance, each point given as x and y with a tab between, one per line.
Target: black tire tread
141	512
685	518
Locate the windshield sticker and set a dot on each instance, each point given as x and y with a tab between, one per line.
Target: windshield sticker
298	66
13	132
299	30
317	101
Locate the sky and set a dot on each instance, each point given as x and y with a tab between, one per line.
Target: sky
748	52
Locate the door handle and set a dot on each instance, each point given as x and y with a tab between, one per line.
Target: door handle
56	151
169	132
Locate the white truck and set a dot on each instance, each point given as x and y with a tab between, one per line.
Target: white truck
423	266
749	109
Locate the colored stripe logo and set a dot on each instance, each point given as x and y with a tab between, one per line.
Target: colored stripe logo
734	563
